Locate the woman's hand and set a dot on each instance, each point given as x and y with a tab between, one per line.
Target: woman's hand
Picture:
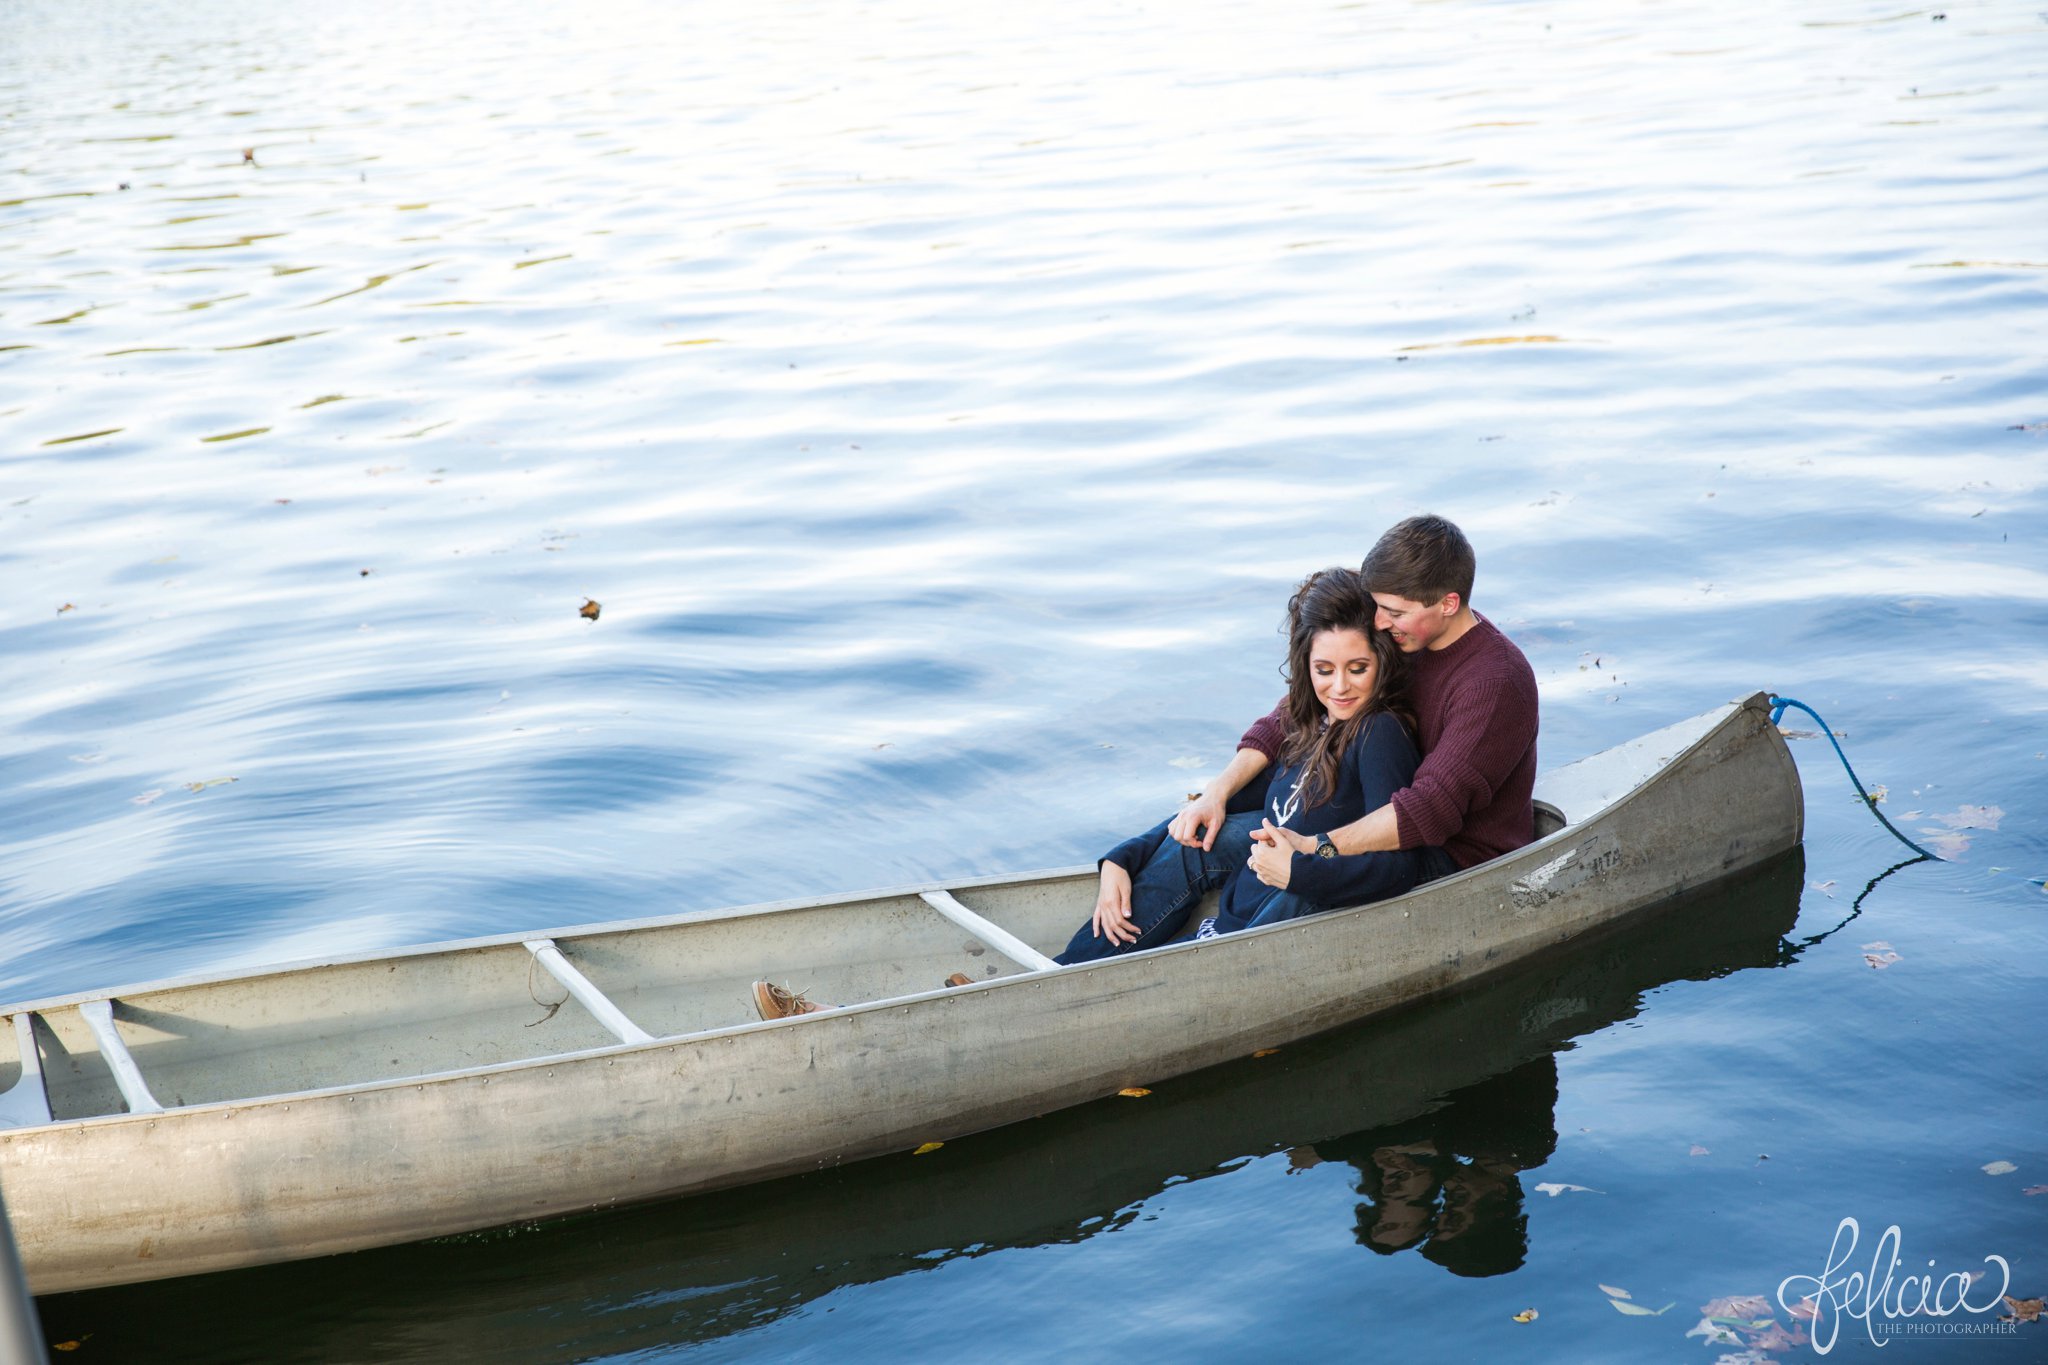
1113	907
1196	823
1273	850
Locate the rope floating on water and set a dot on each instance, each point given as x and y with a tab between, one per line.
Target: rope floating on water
1778	705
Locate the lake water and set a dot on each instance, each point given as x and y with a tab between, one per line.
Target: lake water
940	402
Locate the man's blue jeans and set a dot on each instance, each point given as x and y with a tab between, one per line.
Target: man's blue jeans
1173	880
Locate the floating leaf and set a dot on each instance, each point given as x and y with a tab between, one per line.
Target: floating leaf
1880	961
2035	1189
1826	888
1554	1190
589	610
147	797
1999	1168
925	1149
210	782
67	1345
1530	1315
2023	1310
1134	1092
1715	1333
1741	1309
1698	1150
1636	1310
1806	1310
1612	1292
1972	817
1776	1338
1265	1052
68	606
1878	794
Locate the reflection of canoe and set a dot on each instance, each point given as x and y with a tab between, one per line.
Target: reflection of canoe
650	1279
205	1124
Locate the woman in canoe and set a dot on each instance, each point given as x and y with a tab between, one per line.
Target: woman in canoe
1349	748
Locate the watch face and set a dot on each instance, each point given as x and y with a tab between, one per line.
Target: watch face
1324	848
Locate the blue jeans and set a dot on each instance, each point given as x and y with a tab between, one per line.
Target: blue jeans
1172	881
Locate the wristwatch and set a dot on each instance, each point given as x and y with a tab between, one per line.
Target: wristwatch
1324	848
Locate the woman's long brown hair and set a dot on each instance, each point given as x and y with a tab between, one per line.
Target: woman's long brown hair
1335	599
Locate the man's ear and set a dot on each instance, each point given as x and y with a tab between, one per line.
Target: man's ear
1452	604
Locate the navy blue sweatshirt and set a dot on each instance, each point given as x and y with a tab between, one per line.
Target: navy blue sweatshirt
1381	761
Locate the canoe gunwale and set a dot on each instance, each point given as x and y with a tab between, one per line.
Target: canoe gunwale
1402	906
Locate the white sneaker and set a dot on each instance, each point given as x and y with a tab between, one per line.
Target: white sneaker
1207	929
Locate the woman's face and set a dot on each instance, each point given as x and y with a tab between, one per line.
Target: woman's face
1341	664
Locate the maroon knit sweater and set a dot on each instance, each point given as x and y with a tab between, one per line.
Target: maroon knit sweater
1475	705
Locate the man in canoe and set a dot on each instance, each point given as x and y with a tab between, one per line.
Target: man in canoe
1474	696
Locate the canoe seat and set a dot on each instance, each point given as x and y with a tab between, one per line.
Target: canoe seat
26	1102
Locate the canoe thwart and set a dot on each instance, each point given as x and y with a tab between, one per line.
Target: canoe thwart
26	1102
99	1017
996	937
587	995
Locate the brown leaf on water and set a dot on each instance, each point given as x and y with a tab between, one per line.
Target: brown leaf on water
589	610
68	606
1134	1092
2023	1310
1265	1052
1748	1307
1776	1338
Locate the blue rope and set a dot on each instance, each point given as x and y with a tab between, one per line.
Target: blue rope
1778	705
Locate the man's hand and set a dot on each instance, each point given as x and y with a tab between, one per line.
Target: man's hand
1273	850
1113	907
1196	824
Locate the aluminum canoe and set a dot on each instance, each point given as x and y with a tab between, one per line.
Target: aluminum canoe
210	1123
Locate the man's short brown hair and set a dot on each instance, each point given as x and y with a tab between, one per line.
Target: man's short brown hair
1421	559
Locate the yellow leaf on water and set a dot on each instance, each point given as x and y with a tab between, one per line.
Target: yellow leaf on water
210	782
928	1147
1134	1092
1526	1315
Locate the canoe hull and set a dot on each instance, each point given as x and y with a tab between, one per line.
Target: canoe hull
218	1186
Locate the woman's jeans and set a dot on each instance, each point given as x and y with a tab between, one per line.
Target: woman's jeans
1173	880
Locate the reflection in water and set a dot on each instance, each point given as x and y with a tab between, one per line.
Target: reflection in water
1440	1109
1448	1183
